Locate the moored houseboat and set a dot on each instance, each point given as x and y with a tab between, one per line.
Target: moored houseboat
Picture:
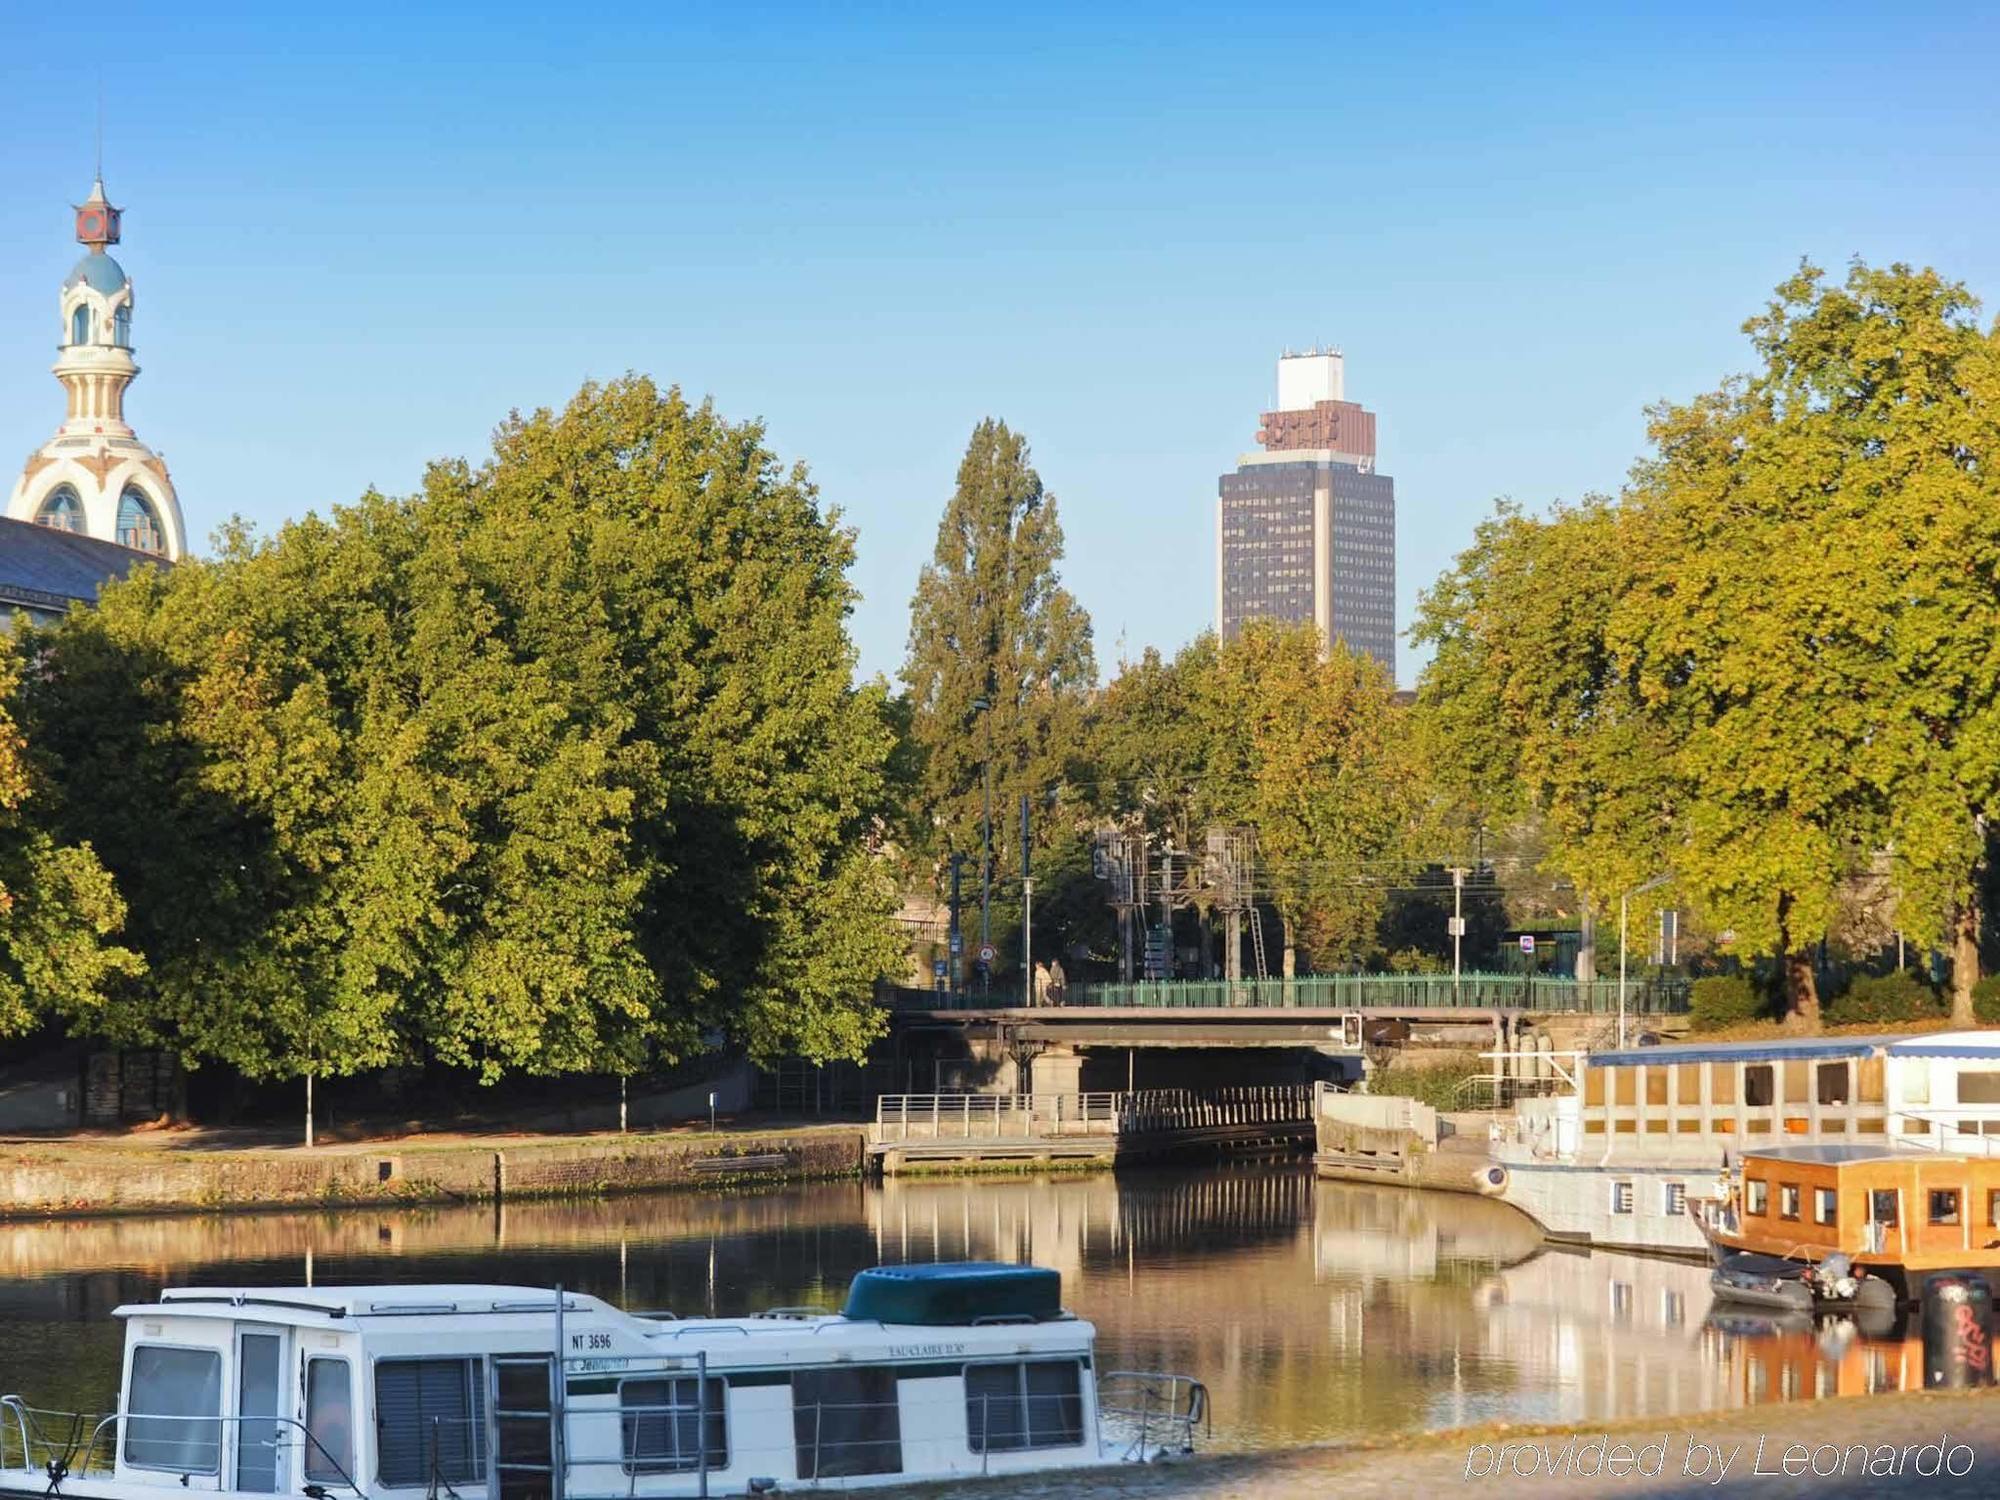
1855	1217
1623	1144
520	1393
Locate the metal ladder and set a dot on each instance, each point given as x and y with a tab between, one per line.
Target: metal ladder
1257	942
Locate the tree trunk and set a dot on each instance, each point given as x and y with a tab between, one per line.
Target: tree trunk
1795	966
1290	963
1586	950
1964	957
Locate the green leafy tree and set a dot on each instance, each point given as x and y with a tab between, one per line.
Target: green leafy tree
991	623
59	909
1308	748
1819	554
554	767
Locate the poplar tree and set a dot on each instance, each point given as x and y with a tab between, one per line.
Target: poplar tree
991	622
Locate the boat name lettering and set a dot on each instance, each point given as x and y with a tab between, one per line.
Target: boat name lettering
923	1351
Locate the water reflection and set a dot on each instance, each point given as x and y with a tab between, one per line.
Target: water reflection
1313	1310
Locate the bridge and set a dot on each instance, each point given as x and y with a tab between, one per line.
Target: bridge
1305	1028
1402	995
1104	1126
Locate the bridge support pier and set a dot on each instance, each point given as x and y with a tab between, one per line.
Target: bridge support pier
1058	1070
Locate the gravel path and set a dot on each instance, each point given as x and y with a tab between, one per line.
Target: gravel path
1864	1445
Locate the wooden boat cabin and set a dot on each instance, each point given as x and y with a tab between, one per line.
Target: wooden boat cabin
1898	1213
519	1393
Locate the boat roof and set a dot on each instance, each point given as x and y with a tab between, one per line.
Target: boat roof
370	1301
1837	1153
1961	1044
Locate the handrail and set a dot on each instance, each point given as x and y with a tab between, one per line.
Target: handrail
97	1432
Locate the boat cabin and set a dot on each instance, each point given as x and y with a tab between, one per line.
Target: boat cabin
1936	1091
1883	1208
520	1393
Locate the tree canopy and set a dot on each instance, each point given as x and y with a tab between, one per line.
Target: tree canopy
555	766
991	622
1771	660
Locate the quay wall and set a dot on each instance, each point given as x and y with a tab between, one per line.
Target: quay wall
70	1178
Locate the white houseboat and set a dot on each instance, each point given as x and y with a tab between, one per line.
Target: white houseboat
517	1393
1628	1137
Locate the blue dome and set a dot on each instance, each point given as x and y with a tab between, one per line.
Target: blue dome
99	271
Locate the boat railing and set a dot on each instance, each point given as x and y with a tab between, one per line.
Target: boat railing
1948	1134
25	1436
90	1443
1143	1414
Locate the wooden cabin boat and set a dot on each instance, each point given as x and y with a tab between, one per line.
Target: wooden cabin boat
521	1393
1854	1212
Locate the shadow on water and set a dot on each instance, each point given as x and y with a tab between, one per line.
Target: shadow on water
1312	1310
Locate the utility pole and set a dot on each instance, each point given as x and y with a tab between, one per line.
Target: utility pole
1167	909
1027	912
1458	874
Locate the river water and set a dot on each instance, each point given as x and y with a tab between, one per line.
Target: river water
1314	1311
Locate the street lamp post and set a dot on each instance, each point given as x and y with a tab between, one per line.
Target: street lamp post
1638	890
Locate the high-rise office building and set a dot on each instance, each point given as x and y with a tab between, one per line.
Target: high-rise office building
1306	528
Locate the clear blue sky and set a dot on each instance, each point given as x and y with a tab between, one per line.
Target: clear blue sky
361	234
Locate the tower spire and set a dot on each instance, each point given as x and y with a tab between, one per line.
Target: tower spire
95	476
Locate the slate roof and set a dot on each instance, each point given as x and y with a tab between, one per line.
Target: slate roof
47	570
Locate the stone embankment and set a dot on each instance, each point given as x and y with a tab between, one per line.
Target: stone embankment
1398	1142
195	1173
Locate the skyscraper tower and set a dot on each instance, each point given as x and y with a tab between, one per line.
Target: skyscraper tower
95	476
1306	528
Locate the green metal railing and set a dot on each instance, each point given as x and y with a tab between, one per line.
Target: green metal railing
1643	997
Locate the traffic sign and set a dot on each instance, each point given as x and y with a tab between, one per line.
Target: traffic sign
957	943
1527	942
1454	927
987	953
939	968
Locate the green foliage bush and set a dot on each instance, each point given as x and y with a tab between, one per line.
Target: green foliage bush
1884	997
1724	1000
1436	1084
1986	1000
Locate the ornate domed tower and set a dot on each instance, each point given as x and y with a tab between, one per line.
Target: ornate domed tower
94	476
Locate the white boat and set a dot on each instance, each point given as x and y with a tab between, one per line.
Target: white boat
520	1393
1622	1145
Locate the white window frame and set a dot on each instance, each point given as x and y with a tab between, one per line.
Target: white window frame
127	1415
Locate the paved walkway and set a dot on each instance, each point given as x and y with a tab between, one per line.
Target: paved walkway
1942	1447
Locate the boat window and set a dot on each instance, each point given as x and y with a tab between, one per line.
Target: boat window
1882	1206
1788	1200
1944	1205
1035	1404
1722	1083
430	1419
1825	1203
1756	1196
845	1421
257	1387
1916	1080
1993	1208
1674	1198
329	1419
661	1420
1759	1089
1833	1084
172	1391
1687	1083
1621	1197
1978	1086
